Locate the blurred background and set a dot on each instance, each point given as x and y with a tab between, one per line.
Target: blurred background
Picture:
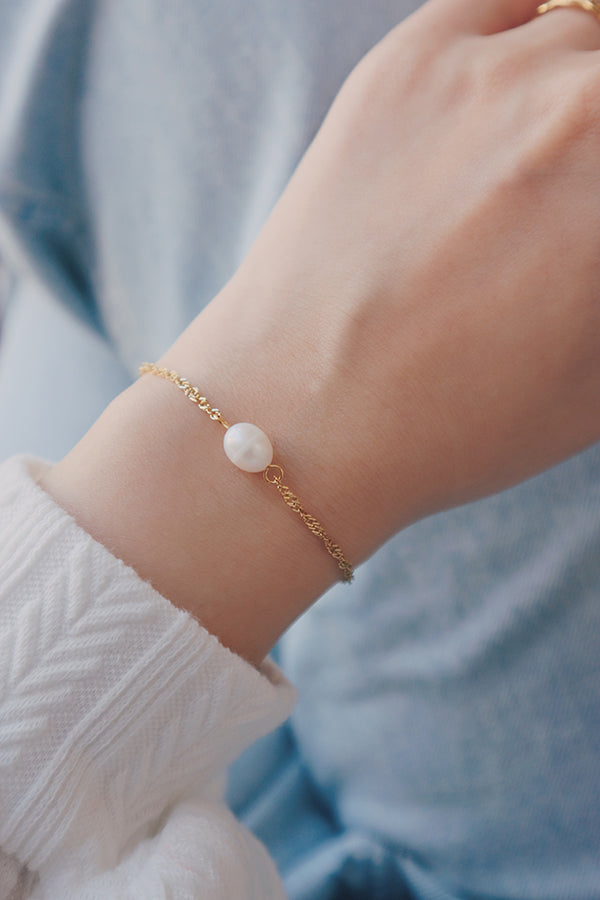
3	290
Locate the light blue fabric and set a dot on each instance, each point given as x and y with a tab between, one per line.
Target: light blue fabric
447	740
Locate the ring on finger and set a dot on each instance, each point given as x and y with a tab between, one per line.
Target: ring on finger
591	6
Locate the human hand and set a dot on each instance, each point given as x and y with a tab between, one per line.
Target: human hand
416	326
423	307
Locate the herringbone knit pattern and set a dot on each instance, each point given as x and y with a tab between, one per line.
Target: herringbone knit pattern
118	717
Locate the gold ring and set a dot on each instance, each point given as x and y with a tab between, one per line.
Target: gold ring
591	6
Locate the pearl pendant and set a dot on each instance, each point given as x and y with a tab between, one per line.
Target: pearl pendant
248	447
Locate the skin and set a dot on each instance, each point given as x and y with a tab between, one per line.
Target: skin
417	325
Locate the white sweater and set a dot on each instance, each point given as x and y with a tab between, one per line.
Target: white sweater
118	717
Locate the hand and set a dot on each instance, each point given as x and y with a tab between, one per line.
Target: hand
424	302
417	325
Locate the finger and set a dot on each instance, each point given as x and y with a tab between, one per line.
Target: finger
482	16
574	27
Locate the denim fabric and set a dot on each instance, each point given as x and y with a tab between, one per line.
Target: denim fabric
447	740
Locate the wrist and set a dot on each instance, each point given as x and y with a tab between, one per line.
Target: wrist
267	354
151	482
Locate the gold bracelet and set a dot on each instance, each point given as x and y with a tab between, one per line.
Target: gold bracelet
249	448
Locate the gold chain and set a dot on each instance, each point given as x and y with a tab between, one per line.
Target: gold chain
273	474
191	392
276	477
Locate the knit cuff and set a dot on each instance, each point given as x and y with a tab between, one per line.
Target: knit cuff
113	703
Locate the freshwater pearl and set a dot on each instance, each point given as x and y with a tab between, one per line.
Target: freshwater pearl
248	447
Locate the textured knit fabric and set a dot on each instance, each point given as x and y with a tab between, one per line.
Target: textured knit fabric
118	717
447	739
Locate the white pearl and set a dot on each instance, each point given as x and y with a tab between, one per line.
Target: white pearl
248	447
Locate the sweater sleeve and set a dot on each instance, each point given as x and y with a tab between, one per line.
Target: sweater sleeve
119	715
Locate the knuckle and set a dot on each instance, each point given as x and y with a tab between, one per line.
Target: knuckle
383	76
499	75
565	128
577	109
585	106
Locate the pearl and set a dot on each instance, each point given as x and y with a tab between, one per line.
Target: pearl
248	447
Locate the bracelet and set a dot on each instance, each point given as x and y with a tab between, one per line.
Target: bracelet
249	448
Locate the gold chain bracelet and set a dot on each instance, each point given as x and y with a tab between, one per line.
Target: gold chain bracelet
249	448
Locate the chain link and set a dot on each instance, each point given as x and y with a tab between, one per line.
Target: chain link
191	392
311	523
273	474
